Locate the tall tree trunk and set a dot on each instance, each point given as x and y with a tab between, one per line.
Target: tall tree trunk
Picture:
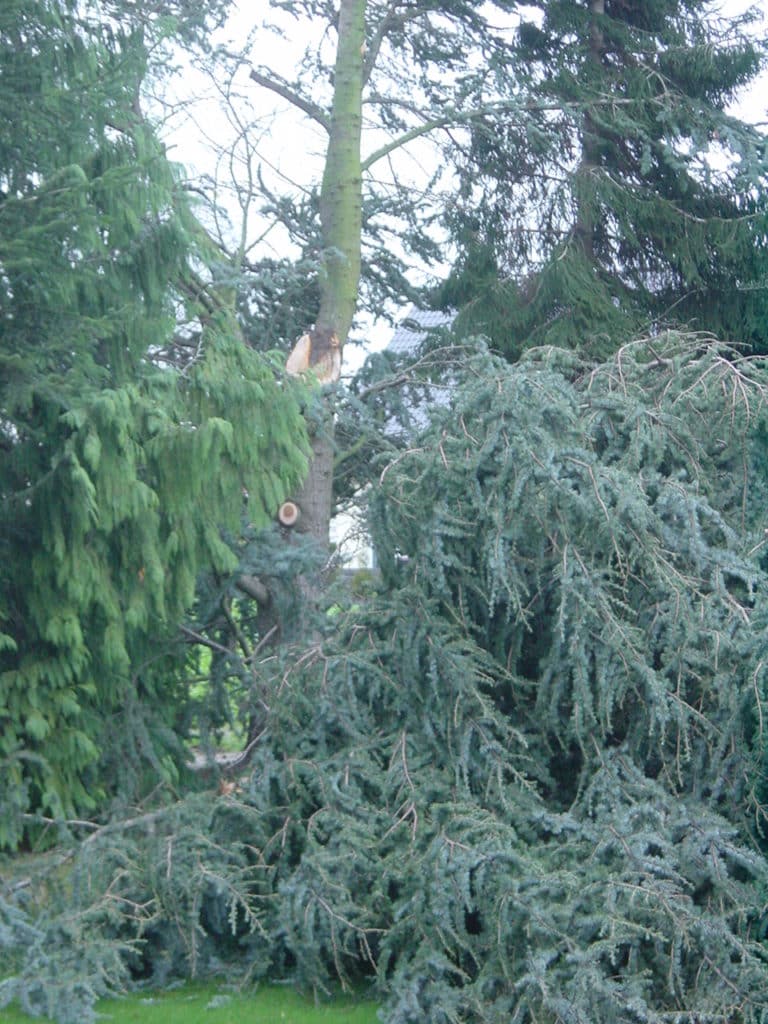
340	216
590	141
341	191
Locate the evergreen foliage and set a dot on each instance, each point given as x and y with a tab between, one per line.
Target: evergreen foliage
518	783
521	780
234	635
118	470
624	196
385	405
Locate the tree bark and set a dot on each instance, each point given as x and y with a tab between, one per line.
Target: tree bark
590	142
341	225
341	190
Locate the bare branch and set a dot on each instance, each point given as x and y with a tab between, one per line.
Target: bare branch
283	89
389	20
198	638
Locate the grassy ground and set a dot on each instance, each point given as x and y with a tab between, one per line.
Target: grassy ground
212	1004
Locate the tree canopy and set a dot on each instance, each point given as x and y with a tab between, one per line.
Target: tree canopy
625	195
118	470
520	773
520	780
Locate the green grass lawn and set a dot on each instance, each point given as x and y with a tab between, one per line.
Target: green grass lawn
214	1004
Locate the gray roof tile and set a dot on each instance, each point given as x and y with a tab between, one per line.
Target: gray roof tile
415	326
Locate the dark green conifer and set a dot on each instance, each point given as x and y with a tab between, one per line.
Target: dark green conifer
517	782
622	196
528	775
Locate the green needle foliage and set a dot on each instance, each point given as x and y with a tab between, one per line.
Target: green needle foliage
521	781
626	196
118	469
573	676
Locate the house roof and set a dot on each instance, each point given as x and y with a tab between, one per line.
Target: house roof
415	326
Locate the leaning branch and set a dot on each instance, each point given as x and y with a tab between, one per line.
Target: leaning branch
284	90
450	118
98	830
459	117
391	18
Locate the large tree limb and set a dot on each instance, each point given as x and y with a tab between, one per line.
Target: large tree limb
254	588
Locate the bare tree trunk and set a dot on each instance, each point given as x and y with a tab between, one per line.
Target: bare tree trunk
315	497
340	217
341	191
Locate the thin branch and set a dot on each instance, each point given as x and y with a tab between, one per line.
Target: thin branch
97	829
403	140
283	90
239	635
61	822
389	20
459	117
198	638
